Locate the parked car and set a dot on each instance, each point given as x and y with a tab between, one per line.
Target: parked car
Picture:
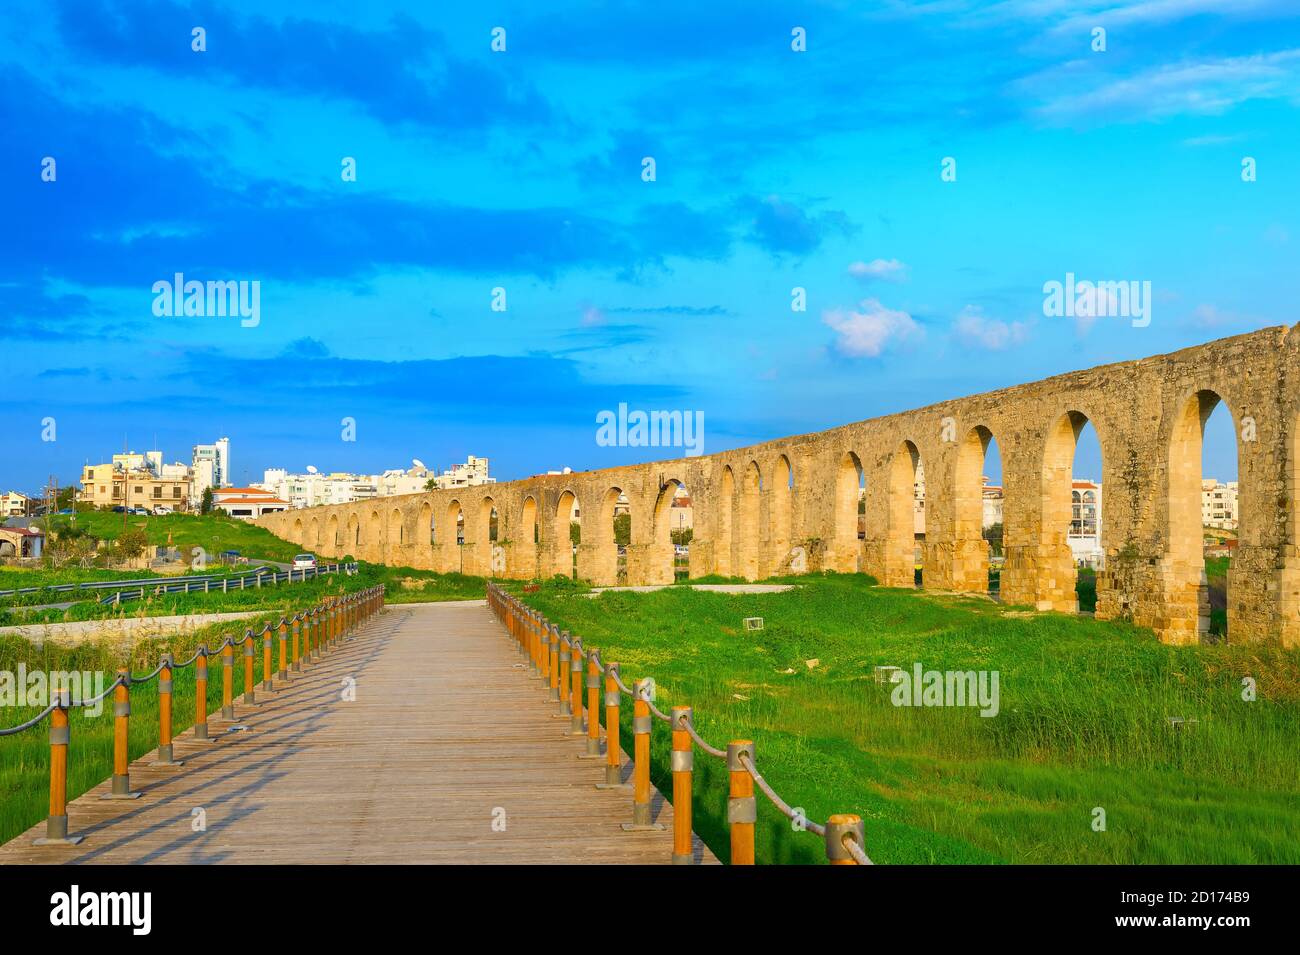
118	509
681	550
162	509
304	562
140	511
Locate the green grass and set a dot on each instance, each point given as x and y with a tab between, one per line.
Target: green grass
1083	724
213	532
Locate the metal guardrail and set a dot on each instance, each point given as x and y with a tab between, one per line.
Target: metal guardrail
187	585
183	584
562	663
315	631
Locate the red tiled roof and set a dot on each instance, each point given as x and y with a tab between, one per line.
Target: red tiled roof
251	500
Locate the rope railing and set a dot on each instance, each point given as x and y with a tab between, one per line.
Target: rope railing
561	660
327	625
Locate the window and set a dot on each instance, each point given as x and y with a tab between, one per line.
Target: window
176	491
157	491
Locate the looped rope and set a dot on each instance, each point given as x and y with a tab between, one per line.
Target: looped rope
854	849
146	679
776	800
120	681
700	741
30	723
182	666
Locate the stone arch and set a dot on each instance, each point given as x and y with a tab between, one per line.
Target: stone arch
528	526
455	524
662	561
313	534
296	532
780	515
426	522
334	536
850	485
352	539
905	468
748	527
970	570
1057	574
606	557
562	551
526	546
724	510
1187	592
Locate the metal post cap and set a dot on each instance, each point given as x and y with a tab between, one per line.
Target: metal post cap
839	827
734	750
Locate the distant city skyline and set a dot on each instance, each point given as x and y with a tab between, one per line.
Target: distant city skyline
379	203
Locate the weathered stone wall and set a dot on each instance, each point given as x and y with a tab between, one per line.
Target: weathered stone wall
790	505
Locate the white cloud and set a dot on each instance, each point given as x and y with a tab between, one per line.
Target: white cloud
974	328
591	315
885	270
866	332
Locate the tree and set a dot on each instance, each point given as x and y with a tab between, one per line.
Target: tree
622	529
993	534
131	543
682	536
431	484
205	505
575	532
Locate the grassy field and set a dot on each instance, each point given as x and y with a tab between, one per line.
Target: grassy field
1082	725
213	532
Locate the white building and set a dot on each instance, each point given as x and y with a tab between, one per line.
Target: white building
313	489
1085	523
13	504
1219	504
211	468
246	502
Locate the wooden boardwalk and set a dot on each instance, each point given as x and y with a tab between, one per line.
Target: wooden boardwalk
446	733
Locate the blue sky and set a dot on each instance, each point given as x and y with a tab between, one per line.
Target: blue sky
522	170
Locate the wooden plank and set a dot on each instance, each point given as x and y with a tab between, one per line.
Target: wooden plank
446	730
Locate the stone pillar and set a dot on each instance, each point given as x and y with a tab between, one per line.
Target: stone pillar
598	564
649	564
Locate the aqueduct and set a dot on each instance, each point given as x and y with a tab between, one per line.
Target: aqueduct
791	505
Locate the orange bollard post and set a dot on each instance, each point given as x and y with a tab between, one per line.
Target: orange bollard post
577	664
56	825
227	682
284	652
839	828
742	811
121	781
282	632
553	659
266	657
593	707
613	753
249	695
201	694
297	633
562	678
682	765
165	757
642	691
